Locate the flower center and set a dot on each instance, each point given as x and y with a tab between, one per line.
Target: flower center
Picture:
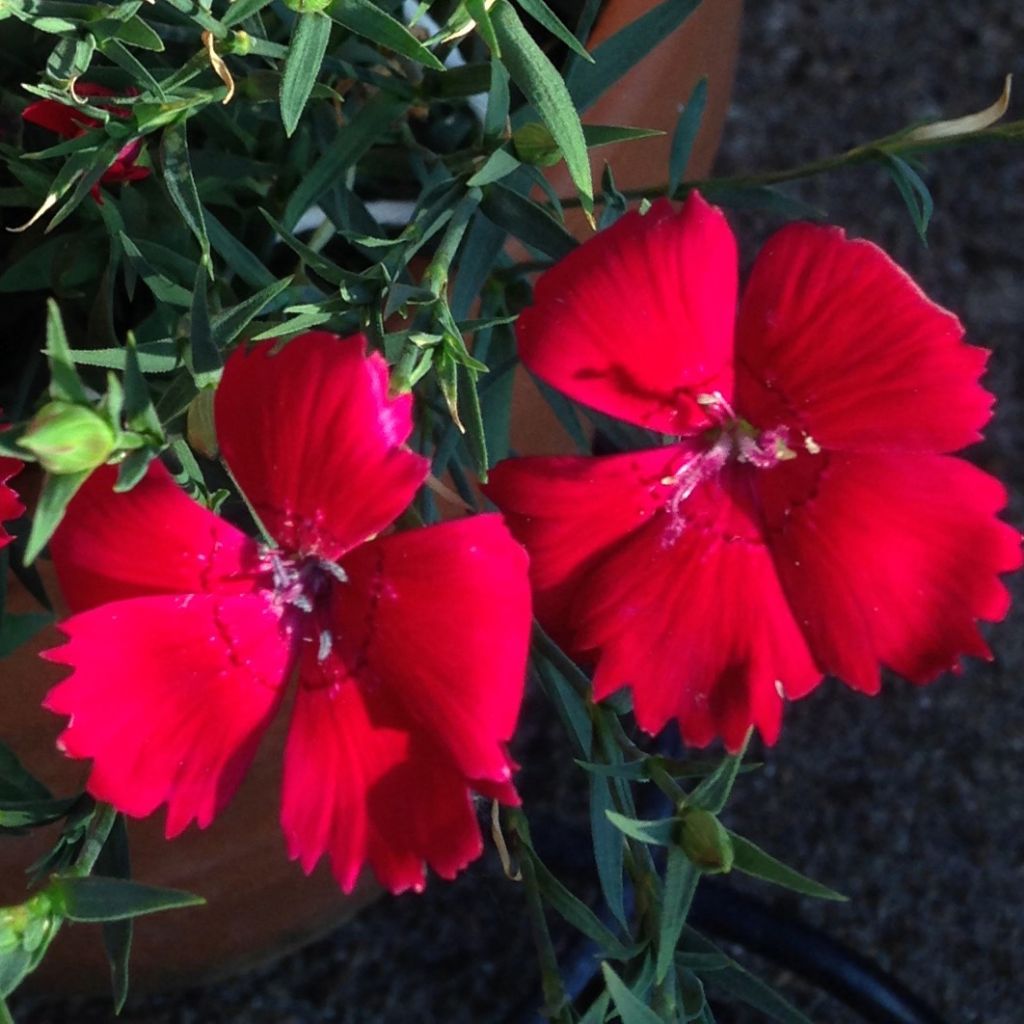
298	586
730	439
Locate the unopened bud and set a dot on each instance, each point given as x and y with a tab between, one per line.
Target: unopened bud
68	438
200	430
534	144
307	6
705	841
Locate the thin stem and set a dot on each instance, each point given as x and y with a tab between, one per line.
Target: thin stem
890	145
103	821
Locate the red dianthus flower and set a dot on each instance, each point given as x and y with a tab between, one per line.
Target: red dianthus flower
10	506
70	123
803	515
410	647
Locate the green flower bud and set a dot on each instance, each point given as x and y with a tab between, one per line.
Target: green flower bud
533	144
67	438
307	6
705	841
200	430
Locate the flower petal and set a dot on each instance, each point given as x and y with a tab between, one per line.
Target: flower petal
682	606
888	559
64	119
836	339
10	506
438	619
568	511
638	321
153	539
693	619
315	442
370	791
169	697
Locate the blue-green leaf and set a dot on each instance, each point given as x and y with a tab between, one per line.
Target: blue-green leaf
310	35
546	91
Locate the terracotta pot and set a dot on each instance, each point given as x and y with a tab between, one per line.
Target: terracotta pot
650	96
259	904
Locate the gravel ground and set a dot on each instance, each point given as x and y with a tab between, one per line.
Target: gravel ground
904	802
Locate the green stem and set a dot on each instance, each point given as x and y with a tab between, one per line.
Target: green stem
898	144
556	1000
103	821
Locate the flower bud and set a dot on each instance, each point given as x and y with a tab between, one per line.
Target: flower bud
307	6
68	438
704	840
200	429
533	144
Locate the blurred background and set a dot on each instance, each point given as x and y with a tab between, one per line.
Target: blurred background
909	803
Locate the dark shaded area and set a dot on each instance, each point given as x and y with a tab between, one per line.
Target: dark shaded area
909	802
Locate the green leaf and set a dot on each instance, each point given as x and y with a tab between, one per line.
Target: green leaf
732	979
54	496
543	15
635	771
609	848
366	19
598	135
527	221
914	191
478	12
546	91
33	813
238	257
631	1009
114	862
207	363
578	914
163	289
752	860
229	323
16	782
496	116
310	35
613	58
681	878
96	898
497	166
239	10
687	127
655	833
712	794
350	145
181	185
65	385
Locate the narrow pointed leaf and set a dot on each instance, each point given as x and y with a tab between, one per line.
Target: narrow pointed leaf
681	878
613	58
543	86
685	134
655	833
182	185
752	860
310	35
54	496
96	898
366	19
632	1010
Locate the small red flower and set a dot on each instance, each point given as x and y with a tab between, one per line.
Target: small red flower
70	123
409	647
803	516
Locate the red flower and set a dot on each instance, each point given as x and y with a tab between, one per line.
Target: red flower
802	518
10	506
70	123
410	648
